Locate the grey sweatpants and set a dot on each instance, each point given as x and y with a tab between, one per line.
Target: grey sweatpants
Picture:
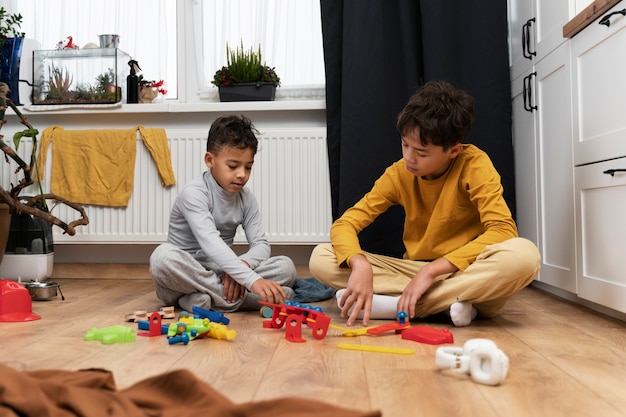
180	279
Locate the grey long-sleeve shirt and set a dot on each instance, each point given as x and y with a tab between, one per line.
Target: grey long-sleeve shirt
204	220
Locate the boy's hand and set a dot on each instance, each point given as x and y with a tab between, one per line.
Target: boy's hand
269	291
413	292
421	282
233	290
359	292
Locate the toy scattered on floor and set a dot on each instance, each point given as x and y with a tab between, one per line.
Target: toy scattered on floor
479	358
182	338
292	316
379	349
153	326
164	312
396	327
112	334
212	315
195	327
429	335
192	326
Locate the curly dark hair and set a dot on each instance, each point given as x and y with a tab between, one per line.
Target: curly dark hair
443	114
235	131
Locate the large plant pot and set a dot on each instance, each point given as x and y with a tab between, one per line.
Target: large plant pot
10	56
5	227
247	92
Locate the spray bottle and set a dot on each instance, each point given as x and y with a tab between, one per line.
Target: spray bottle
132	83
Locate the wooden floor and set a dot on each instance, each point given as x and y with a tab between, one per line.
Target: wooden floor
565	360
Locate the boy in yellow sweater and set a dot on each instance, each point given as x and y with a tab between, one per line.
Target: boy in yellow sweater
463	254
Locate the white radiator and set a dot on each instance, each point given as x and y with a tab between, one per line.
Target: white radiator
290	181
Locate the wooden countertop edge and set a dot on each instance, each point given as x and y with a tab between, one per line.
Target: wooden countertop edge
587	16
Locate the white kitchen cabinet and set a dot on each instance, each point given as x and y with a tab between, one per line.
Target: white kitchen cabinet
599	112
599	70
535	30
544	173
601	206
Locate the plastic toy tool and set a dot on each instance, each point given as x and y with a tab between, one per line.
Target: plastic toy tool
379	349
428	335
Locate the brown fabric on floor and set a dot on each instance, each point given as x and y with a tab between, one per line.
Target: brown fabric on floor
92	393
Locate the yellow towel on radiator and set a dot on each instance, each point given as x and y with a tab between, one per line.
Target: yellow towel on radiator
97	166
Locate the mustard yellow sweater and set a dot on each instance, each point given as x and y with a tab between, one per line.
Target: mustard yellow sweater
98	166
454	216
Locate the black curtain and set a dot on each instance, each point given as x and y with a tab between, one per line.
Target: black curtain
377	53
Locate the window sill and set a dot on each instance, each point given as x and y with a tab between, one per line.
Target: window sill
173	107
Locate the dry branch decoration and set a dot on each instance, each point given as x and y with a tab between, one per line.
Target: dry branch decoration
32	204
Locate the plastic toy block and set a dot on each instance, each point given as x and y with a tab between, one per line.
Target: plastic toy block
155	327
396	326
293	328
213	316
113	334
379	349
145	325
314	319
429	335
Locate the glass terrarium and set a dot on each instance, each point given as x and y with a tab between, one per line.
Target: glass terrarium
79	76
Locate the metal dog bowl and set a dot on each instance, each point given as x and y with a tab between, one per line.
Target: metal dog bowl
42	291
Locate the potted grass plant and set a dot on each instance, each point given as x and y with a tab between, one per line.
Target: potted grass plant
246	77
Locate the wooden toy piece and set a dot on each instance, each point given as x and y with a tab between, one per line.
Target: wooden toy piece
137	315
429	335
167	312
155	327
396	326
379	349
266	312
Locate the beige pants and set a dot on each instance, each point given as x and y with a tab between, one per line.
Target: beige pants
499	271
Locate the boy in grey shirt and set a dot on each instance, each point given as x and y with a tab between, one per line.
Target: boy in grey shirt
197	266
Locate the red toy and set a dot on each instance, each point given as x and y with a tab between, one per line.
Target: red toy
428	335
396	326
294	316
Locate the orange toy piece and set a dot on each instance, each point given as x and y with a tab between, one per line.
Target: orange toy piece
317	321
398	327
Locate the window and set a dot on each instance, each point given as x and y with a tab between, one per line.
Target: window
190	36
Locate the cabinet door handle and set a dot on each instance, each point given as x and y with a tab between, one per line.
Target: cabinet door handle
612	172
527	93
526	40
606	20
